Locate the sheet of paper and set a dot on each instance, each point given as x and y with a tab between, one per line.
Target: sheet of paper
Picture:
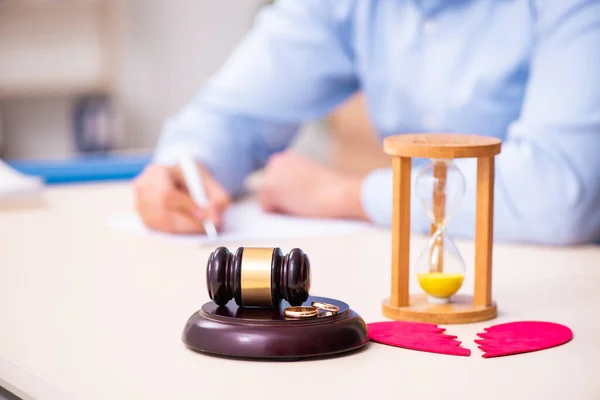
14	184
246	221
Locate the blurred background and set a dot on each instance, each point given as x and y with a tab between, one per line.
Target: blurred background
89	77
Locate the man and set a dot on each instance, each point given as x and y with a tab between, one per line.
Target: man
525	71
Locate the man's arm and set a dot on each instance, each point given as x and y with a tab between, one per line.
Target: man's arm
292	67
548	174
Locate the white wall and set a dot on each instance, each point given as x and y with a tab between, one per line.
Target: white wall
49	50
169	51
52	46
164	51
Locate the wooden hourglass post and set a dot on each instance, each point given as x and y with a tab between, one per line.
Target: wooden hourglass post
461	309
401	167
484	232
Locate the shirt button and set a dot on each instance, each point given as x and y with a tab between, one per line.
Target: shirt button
429	27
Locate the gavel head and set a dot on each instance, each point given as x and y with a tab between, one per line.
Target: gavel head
258	277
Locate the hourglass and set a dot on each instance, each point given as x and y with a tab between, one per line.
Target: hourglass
440	269
440	187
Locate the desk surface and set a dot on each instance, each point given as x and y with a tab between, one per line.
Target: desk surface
87	312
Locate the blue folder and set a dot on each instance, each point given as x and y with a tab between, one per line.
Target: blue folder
84	168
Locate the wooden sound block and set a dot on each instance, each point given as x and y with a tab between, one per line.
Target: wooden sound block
460	310
252	332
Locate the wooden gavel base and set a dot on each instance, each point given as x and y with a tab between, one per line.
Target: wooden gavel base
460	310
265	333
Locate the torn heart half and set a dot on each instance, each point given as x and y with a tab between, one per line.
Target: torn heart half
416	336
522	337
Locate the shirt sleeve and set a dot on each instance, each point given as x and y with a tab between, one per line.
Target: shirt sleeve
292	67
547	186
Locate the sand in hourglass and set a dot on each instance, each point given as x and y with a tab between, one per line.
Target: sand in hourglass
440	270
439	284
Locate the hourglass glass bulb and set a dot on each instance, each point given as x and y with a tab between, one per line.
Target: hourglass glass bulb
440	187
440	269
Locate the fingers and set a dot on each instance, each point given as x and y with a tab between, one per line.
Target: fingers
180	200
177	178
266	199
171	213
164	206
164	203
270	191
174	222
218	199
182	223
218	203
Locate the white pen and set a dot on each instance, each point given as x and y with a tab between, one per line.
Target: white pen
195	184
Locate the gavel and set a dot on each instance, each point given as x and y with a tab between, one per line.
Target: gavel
258	277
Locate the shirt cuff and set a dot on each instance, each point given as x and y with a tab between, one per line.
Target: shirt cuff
376	198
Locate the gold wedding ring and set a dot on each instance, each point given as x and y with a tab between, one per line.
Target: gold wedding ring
326	314
301	312
325	306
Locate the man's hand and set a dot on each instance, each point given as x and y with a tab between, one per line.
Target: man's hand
293	184
163	202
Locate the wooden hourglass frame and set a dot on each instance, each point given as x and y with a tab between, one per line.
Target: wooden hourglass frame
462	309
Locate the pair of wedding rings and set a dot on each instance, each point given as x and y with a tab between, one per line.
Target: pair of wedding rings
316	308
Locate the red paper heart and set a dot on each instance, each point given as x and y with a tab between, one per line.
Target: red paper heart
416	336
522	337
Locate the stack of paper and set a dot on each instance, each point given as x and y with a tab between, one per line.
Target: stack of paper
14	184
247	221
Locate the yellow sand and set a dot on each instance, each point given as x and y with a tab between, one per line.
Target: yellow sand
439	284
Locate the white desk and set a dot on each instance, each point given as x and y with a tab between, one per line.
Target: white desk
87	312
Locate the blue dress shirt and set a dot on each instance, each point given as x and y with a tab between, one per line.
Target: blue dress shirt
525	71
